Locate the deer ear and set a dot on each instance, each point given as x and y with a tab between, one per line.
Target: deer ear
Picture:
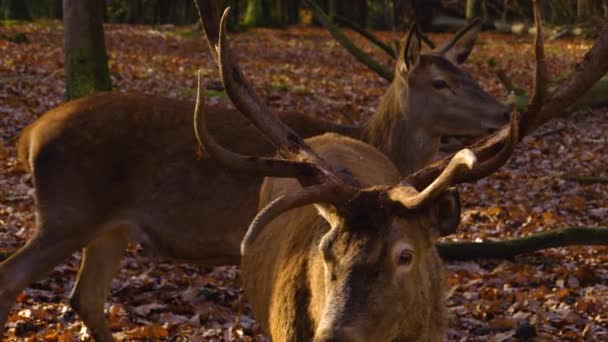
460	46
410	51
446	211
328	212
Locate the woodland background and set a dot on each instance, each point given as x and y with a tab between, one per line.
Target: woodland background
556	179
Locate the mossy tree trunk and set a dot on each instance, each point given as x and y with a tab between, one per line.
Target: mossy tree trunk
86	62
15	9
472	9
265	13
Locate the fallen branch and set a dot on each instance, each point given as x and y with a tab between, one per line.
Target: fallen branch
338	35
509	248
585	179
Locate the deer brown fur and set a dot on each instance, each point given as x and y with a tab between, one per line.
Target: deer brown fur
287	282
113	168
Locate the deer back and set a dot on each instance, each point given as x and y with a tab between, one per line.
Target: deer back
132	159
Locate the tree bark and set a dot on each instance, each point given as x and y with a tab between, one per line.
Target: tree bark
584	9
134	12
402	10
293	11
86	63
472	9
509	248
265	13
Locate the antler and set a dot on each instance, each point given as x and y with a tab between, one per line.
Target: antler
265	166
411	200
244	97
324	193
495	150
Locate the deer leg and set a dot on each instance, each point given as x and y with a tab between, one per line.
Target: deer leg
100	263
46	249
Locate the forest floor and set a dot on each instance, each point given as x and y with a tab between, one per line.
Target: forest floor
551	295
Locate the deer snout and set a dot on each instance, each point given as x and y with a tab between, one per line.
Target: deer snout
338	335
500	117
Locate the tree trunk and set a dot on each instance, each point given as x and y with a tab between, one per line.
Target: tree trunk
134	13
265	13
293	12
86	63
472	9
403	12
584	9
423	11
15	9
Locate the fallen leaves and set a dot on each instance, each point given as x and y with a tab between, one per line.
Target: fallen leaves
559	294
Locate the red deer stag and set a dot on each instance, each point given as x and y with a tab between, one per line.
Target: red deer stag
360	265
113	168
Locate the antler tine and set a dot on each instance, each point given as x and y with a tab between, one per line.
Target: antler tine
463	159
324	193
539	94
244	97
263	166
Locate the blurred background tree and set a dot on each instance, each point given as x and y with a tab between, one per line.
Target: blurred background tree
431	15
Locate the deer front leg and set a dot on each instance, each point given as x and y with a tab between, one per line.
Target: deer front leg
100	262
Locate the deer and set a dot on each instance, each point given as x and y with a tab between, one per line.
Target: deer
342	248
118	168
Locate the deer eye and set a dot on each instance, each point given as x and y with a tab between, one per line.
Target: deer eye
405	257
439	84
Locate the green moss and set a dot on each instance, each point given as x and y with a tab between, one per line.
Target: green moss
263	13
87	72
12	22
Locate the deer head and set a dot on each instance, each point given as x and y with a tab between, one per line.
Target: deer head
431	96
439	95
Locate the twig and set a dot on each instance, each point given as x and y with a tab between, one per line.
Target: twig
585	179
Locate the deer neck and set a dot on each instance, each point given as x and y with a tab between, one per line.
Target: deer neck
394	131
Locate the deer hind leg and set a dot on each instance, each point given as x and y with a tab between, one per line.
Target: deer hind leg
45	250
100	263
